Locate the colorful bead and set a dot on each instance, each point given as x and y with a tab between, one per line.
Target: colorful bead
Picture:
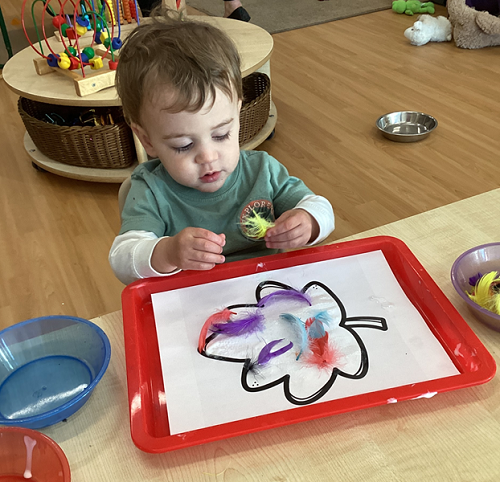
75	63
103	36
113	64
52	60
64	62
96	63
70	50
64	27
84	58
70	33
80	30
89	52
83	21
116	43
133	11
58	21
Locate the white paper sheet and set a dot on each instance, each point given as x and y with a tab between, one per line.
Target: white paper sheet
202	392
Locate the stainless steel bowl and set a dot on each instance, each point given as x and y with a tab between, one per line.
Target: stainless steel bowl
406	126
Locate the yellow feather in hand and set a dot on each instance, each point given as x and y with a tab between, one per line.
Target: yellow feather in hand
256	225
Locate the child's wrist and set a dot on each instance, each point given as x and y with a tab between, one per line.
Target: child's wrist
160	258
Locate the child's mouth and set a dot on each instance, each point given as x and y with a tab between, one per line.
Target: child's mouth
211	177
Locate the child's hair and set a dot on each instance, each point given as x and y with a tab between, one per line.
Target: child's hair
191	58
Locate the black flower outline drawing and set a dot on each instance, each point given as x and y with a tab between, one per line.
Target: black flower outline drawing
348	323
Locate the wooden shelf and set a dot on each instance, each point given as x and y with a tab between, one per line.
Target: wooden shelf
75	172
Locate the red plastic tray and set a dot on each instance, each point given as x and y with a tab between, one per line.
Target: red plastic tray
148	411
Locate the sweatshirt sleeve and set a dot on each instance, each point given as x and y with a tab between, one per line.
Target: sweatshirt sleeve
321	210
130	256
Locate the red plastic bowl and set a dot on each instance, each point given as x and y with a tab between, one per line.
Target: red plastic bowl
28	455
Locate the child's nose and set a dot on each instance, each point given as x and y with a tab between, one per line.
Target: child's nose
206	155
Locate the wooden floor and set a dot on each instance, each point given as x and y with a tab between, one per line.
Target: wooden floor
330	83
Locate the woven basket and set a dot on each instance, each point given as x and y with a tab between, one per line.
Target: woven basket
256	105
103	147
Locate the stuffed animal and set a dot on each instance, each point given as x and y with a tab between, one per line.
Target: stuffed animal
429	29
475	24
412	6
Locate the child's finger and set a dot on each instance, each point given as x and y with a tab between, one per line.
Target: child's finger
206	258
198	266
284	234
205	234
286	222
295	242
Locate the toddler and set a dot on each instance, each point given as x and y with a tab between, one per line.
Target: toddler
193	205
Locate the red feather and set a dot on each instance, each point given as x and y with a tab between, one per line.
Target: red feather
321	353
219	317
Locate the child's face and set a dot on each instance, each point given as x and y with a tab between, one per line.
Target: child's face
198	149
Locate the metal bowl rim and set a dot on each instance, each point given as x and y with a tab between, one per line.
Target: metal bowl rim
407	112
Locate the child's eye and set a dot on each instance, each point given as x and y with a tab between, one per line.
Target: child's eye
222	138
183	148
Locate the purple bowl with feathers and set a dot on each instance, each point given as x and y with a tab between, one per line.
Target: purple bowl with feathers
481	259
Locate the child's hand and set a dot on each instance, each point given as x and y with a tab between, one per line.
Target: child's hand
293	229
191	248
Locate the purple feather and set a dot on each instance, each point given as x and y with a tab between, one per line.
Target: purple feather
266	355
474	279
284	294
249	324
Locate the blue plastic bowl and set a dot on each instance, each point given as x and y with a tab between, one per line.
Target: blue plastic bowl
49	366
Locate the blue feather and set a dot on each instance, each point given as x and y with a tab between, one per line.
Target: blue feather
299	324
316	330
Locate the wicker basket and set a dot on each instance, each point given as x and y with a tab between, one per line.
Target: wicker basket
103	147
256	105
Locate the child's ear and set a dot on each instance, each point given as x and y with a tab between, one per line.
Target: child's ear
144	138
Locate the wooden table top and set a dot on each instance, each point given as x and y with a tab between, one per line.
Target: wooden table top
254	44
454	436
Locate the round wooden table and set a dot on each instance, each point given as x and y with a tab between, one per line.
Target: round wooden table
254	45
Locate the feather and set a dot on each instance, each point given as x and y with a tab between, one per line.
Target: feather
485	292
220	316
324	317
321	354
255	225
299	325
266	355
315	328
474	279
247	325
284	294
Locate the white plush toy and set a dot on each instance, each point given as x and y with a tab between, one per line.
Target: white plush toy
429	29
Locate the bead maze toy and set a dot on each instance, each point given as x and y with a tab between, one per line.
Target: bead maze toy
90	34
